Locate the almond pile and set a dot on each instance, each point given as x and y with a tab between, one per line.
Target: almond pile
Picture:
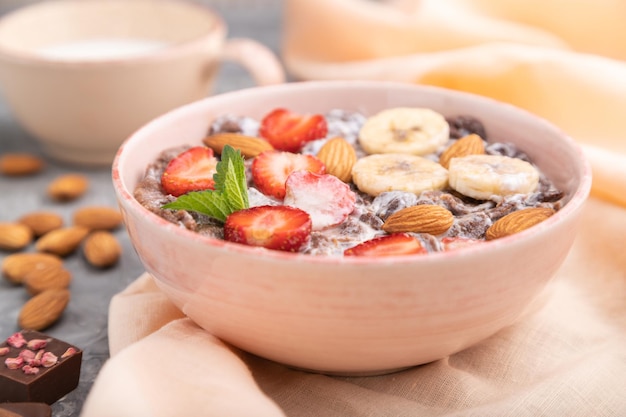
42	272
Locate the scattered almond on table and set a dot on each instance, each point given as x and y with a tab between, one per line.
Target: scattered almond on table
42	273
53	276
101	249
14	236
41	222
63	241
68	187
98	218
17	266
20	164
44	309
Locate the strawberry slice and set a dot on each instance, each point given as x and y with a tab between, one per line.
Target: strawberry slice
387	245
270	170
192	170
273	227
327	199
288	131
457	242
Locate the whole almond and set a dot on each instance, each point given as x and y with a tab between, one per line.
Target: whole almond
517	221
423	218
249	146
68	187
339	157
63	241
44	309
101	249
41	222
98	217
19	164
471	144
14	236
51	277
17	266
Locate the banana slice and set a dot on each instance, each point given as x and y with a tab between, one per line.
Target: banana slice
416	131
375	174
489	177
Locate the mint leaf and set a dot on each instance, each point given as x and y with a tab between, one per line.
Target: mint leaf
230	194
230	179
210	203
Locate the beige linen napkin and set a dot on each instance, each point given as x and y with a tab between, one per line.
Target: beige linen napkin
569	359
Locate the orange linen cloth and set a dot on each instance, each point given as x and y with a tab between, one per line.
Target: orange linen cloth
562	60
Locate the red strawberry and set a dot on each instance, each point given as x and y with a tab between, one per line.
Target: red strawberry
272	227
270	170
450	243
387	245
326	198
192	170
288	131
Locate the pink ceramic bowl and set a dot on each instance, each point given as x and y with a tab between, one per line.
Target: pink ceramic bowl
352	315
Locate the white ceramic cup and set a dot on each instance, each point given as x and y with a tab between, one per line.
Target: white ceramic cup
148	57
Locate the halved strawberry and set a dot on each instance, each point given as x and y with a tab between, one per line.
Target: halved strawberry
326	198
270	170
288	131
192	170
273	227
457	242
387	245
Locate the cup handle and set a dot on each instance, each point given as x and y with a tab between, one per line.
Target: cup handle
258	59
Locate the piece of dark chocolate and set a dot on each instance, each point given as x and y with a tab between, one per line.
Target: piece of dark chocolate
37	368
26	409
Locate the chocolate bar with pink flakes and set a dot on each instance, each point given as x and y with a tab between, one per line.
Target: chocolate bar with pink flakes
37	368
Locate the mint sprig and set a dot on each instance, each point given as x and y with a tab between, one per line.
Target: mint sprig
230	194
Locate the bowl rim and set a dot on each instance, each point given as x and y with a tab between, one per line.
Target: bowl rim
575	203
